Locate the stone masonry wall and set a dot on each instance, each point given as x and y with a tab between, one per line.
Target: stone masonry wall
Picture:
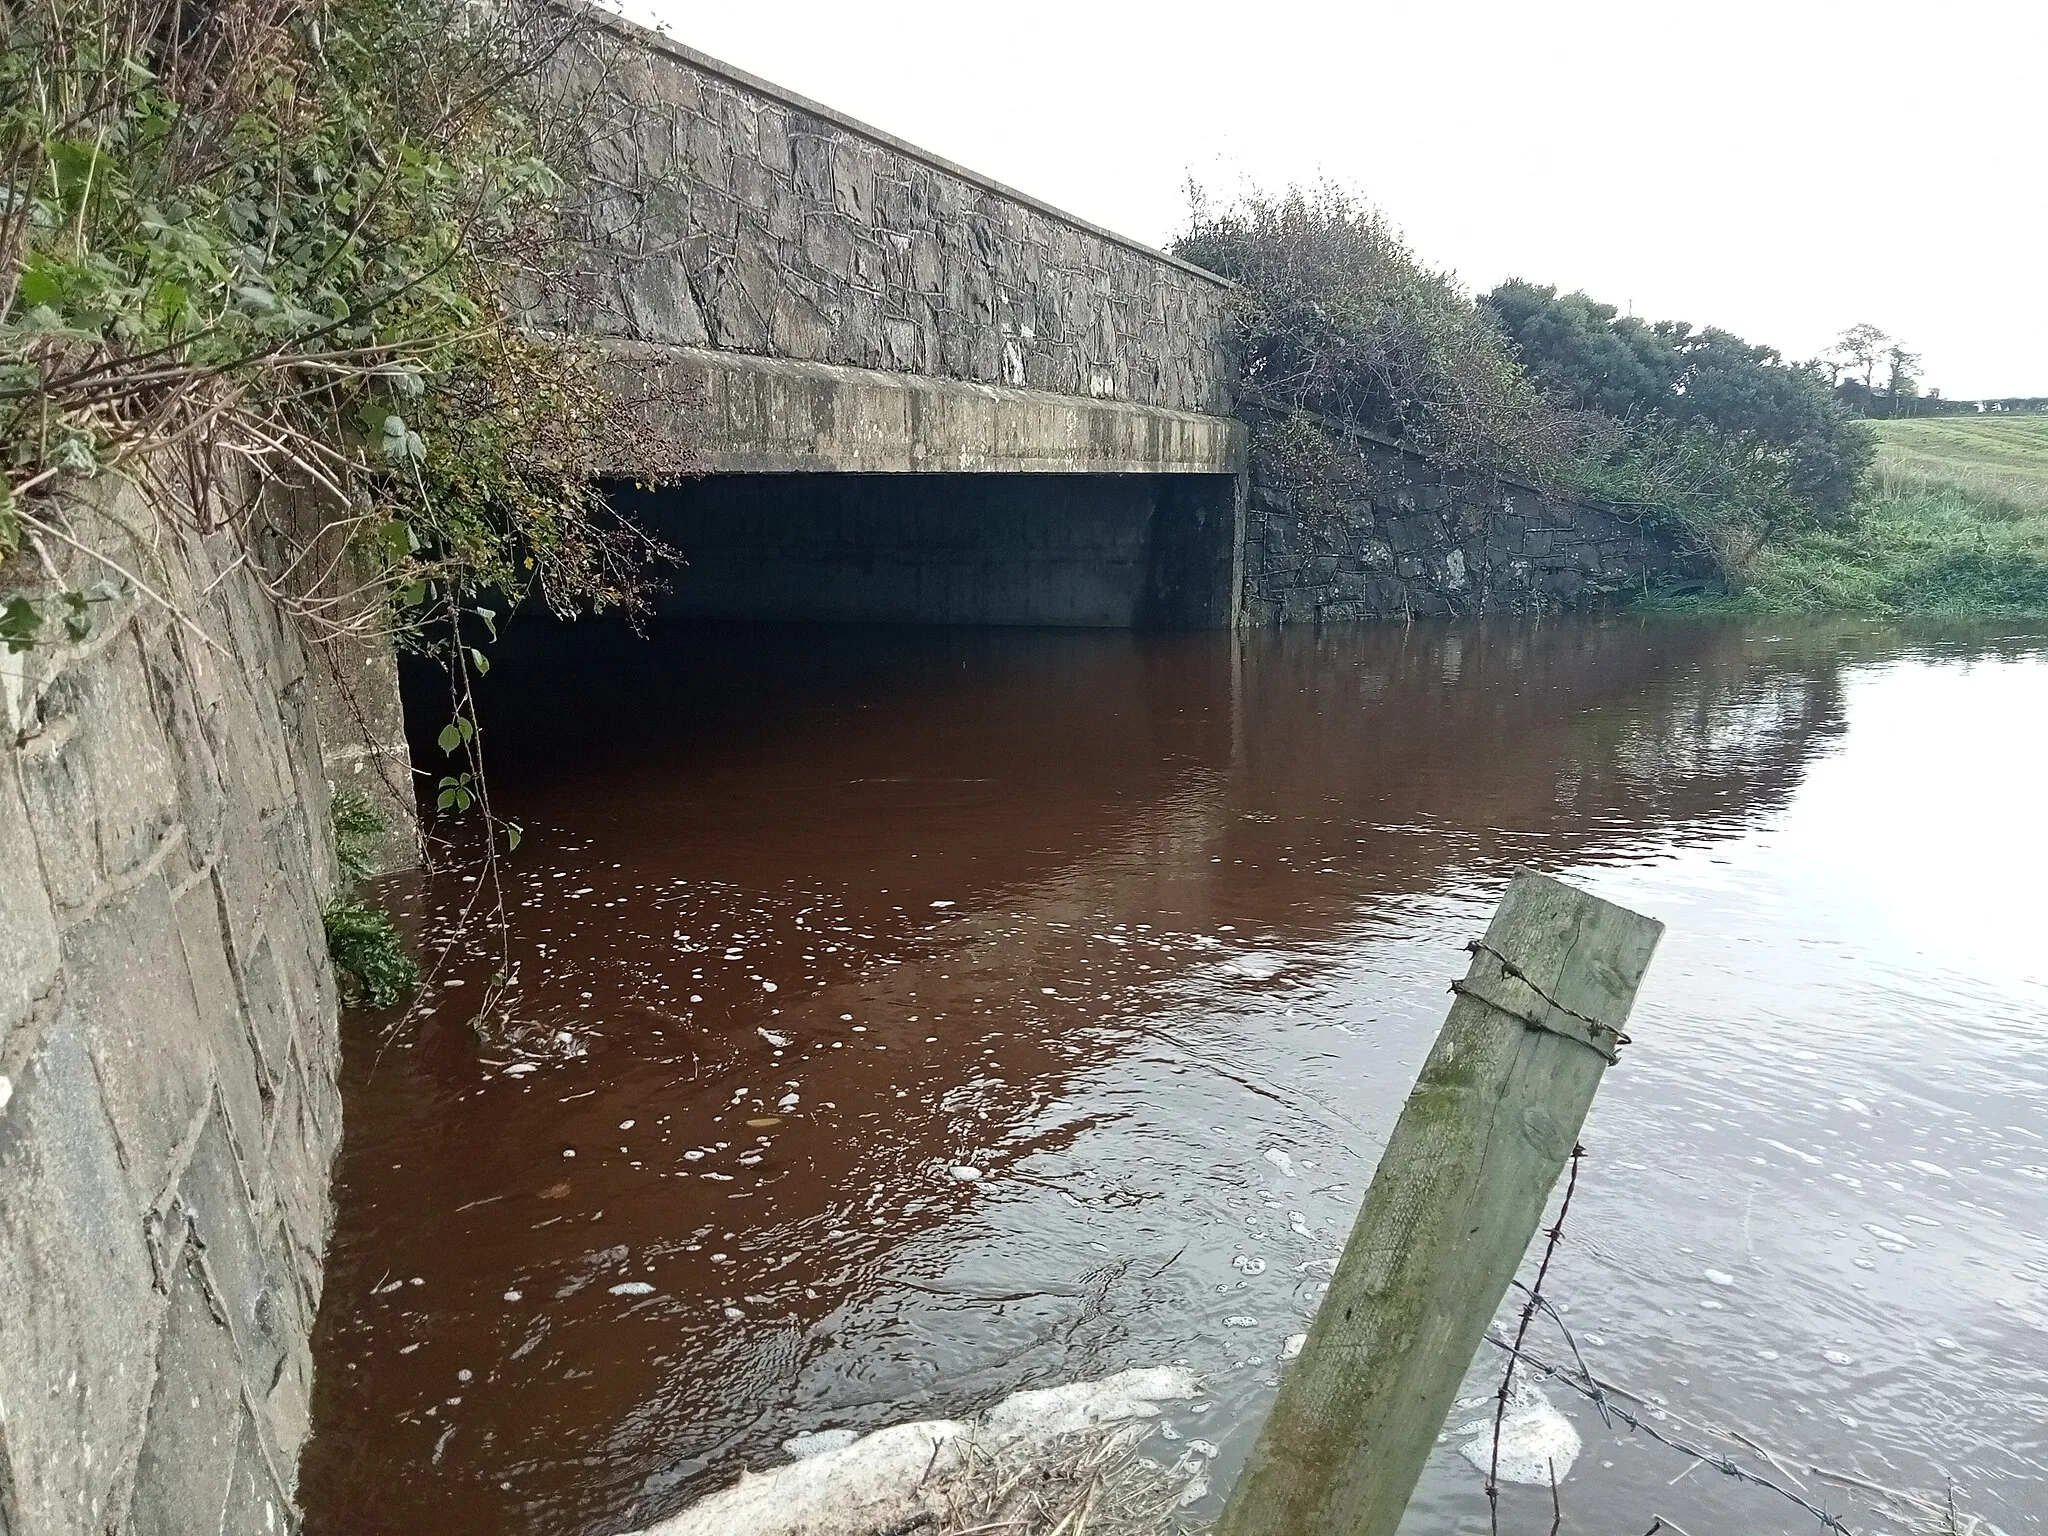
722	212
1422	543
168	1108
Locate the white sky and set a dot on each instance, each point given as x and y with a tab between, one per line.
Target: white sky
1784	169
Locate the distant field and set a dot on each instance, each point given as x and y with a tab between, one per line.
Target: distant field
1955	526
1992	458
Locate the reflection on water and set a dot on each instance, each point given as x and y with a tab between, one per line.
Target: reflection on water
906	1016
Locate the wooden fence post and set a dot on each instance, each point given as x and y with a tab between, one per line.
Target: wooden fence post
1459	1191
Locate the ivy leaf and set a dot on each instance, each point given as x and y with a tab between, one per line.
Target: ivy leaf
20	622
39	284
513	832
450	738
479	660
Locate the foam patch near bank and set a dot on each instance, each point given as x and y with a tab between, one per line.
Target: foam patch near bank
882	1480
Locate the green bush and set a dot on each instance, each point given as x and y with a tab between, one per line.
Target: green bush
291	235
1708	434
1911	550
358	830
1339	319
376	968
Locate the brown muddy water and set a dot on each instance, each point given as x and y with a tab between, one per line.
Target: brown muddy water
1152	933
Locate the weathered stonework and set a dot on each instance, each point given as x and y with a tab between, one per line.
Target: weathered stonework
168	1108
1424	543
721	211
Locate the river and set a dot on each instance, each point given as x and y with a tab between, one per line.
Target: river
1151	933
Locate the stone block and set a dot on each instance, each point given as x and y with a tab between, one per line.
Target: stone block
201	797
714	212
812	160
771	141
732	314
660	304
219	1003
895	203
218	1201
708	152
853	180
128	995
267	997
195	1418
255	1505
99	787
758	189
828	245
924	268
28	926
304	1133
79	1287
796	328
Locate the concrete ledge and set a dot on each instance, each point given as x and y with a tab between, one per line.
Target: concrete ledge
766	415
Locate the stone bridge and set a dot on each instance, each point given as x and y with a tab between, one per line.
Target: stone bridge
920	394
923	396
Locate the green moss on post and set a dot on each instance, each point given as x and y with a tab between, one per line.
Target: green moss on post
1457	1197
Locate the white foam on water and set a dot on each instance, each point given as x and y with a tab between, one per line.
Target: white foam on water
1281	1161
1537	1443
633	1288
817	1442
888	1479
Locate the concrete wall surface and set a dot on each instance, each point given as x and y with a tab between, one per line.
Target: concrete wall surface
1414	541
720	211
168	1108
753	415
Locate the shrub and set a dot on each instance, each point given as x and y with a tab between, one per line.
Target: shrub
376	968
1710	430
286	236
357	831
1339	319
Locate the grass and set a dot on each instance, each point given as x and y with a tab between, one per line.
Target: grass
1955	526
2001	460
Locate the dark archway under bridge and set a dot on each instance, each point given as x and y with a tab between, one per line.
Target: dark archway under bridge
1085	550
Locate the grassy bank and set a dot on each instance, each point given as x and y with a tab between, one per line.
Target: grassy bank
1956	525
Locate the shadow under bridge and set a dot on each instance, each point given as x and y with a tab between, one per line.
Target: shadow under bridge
850	495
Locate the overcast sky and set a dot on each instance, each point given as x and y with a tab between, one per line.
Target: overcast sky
1783	169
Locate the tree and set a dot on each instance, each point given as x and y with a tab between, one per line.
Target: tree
1903	380
1861	349
1638	373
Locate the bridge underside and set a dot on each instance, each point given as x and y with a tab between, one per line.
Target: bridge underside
845	494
